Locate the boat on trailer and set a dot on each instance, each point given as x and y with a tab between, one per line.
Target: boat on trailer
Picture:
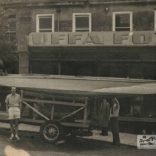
69	96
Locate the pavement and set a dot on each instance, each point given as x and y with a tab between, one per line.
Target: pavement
125	138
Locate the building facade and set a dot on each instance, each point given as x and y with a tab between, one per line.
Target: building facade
85	37
110	38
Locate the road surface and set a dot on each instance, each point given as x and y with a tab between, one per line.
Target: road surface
31	145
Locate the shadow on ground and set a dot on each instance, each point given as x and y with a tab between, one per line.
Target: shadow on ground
33	142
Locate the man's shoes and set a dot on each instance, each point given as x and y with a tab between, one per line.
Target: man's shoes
17	137
104	131
11	137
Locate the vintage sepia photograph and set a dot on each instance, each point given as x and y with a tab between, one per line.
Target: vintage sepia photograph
77	77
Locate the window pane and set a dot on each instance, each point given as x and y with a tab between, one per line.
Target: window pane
45	22
82	22
122	20
45	30
122	29
82	30
12	26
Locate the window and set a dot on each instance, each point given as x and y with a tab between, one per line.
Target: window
45	23
122	21
81	22
11	28
154	20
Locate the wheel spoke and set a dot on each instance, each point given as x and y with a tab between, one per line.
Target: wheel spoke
51	132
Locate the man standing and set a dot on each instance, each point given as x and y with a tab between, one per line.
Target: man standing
104	115
114	123
13	103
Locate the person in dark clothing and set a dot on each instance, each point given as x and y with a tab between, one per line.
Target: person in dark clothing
99	115
114	122
104	114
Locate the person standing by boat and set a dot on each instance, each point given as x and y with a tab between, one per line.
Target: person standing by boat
13	104
104	115
114	122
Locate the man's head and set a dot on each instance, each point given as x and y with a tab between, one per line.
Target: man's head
104	100
114	99
13	90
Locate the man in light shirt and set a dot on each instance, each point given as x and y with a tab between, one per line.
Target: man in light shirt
114	115
13	104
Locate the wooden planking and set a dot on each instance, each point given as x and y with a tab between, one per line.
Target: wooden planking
52	112
35	110
137	119
48	94
78	125
54	102
85	111
72	113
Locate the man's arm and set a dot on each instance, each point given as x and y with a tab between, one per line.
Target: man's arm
117	103
20	101
7	103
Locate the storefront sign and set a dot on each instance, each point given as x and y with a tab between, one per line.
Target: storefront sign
93	39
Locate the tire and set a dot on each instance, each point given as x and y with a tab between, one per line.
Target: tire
51	131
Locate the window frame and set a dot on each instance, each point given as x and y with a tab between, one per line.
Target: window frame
81	14
119	13
42	15
155	20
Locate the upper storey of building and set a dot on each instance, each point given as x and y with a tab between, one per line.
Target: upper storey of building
26	16
97	15
30	3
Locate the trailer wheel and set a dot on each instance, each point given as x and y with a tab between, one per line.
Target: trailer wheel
51	131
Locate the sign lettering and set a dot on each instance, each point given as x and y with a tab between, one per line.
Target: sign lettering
93	39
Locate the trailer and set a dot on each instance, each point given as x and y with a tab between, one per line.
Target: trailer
66	104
